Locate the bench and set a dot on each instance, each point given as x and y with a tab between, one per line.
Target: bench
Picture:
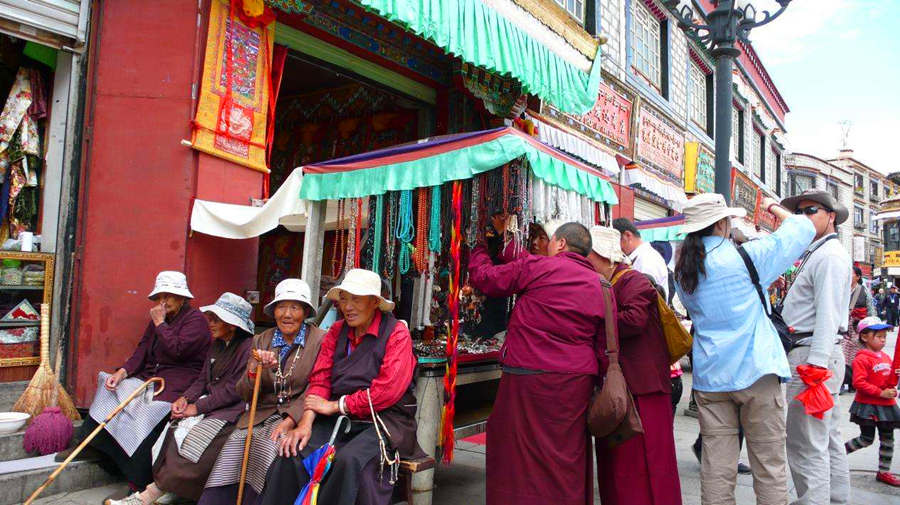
403	491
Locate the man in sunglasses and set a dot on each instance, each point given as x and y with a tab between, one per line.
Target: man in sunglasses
817	308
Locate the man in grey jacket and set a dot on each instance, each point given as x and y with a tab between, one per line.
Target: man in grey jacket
817	307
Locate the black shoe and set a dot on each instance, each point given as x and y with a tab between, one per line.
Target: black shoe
743	469
88	453
696	450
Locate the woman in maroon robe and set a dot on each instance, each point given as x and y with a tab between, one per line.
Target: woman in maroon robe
642	470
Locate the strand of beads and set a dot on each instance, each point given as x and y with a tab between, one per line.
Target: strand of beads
420	258
357	246
337	254
405	230
390	242
434	228
351	236
376	233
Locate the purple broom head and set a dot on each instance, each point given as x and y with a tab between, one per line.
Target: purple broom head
50	432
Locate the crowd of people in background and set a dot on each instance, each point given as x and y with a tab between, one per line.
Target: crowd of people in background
587	301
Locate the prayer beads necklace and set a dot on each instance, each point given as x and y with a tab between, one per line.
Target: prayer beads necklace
283	388
419	254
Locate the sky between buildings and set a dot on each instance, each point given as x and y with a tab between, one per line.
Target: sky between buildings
837	60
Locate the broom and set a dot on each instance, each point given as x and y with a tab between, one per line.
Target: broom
50	407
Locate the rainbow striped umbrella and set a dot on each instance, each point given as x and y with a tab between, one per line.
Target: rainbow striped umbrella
317	465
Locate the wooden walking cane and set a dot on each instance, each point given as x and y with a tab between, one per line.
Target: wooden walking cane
240	495
83	444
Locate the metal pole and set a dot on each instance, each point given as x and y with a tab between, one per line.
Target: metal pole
723	125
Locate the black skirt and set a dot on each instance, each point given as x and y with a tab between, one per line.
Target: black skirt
138	468
865	414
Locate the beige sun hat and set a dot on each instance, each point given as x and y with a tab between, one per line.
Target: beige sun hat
706	209
170	281
361	282
291	289
606	242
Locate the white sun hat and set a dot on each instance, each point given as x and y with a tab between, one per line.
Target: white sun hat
606	242
291	289
233	310
170	281
551	226
706	209
361	282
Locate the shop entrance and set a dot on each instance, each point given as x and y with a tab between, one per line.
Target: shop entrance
325	112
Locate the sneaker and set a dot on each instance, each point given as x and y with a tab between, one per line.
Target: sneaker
167	499
888	478
132	499
743	469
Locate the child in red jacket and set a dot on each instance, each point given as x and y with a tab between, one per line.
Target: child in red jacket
875	405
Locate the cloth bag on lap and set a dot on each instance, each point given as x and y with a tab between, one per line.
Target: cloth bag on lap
612	414
132	425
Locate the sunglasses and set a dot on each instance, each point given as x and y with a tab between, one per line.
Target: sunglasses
812	209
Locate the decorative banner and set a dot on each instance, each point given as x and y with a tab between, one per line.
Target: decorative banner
764	218
743	193
699	169
231	120
611	116
879	256
660	144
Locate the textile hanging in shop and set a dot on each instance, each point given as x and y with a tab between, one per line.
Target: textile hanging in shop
451	157
479	34
576	146
15	109
236	89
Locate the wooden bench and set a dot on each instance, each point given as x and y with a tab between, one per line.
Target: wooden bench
403	490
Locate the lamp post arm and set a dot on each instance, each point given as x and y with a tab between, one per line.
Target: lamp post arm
749	21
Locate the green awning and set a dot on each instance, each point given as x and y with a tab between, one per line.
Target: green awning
479	35
431	162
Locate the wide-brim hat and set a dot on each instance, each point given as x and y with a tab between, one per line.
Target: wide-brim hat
705	210
823	197
606	242
361	282
872	323
170	281
291	289
233	310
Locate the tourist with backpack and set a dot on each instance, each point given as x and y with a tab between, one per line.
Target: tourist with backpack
738	359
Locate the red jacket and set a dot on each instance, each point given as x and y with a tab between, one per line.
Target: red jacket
871	375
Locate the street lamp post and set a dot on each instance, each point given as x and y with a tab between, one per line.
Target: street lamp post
730	22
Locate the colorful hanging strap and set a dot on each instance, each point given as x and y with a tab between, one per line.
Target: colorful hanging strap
447	437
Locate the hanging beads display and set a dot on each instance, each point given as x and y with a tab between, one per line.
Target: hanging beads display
405	230
420	253
447	437
375	233
357	246
390	242
337	253
434	227
472	230
351	235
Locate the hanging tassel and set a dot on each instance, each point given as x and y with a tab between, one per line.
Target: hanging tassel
448	438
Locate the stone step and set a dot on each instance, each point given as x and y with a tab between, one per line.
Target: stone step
19	478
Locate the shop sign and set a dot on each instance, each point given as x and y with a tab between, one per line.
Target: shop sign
610	116
764	218
879	256
859	248
699	169
743	193
865	268
891	259
660	144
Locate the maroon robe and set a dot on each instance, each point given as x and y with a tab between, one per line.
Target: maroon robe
643	470
535	454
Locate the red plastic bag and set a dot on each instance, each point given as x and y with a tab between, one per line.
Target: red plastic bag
816	399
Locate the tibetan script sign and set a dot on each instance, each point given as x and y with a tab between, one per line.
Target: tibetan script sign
699	169
660	144
764	218
743	193
610	116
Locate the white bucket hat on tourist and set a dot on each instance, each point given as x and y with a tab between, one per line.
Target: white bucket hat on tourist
232	309
170	281
361	282
606	242
551	226
706	209
291	289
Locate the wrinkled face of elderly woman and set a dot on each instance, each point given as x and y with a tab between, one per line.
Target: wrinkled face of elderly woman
358	310
289	316
172	303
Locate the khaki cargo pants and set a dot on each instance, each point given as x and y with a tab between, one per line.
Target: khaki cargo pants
759	409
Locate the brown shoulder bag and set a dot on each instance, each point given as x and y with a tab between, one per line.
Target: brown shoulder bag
612	415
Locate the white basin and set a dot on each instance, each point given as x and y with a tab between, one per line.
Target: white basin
11	422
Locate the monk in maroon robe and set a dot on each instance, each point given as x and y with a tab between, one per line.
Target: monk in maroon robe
537	439
642	470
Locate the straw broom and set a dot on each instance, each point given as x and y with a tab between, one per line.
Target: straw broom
44	390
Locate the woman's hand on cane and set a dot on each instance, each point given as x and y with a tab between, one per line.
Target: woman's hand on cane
268	359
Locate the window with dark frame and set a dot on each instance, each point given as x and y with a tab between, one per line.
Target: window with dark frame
649	43
575	8
737	133
700	88
859	220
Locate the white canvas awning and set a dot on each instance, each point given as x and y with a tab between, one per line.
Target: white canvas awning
891	214
284	208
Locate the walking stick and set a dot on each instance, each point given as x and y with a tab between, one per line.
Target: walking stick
240	495
86	441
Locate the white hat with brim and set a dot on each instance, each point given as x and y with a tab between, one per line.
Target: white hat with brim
233	310
172	282
291	289
705	210
606	242
361	282
551	226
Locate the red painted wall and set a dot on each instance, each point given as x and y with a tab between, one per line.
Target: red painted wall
139	182
625	208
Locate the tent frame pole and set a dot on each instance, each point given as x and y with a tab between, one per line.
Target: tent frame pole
313	246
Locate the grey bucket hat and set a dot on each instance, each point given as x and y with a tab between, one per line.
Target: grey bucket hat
823	197
232	309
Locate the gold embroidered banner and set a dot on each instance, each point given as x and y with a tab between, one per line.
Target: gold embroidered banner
231	119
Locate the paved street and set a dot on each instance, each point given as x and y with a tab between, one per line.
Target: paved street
462	483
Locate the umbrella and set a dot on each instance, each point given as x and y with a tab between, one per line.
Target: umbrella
317	465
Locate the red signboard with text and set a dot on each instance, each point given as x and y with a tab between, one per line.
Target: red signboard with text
610	116
764	218
660	144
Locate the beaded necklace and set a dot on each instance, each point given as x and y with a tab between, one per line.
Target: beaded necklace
434	228
336	264
349	236
422	217
389	236
357	246
472	231
375	233
283	388
405	230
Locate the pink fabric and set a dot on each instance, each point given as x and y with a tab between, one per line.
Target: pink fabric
538	455
559	313
643	470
